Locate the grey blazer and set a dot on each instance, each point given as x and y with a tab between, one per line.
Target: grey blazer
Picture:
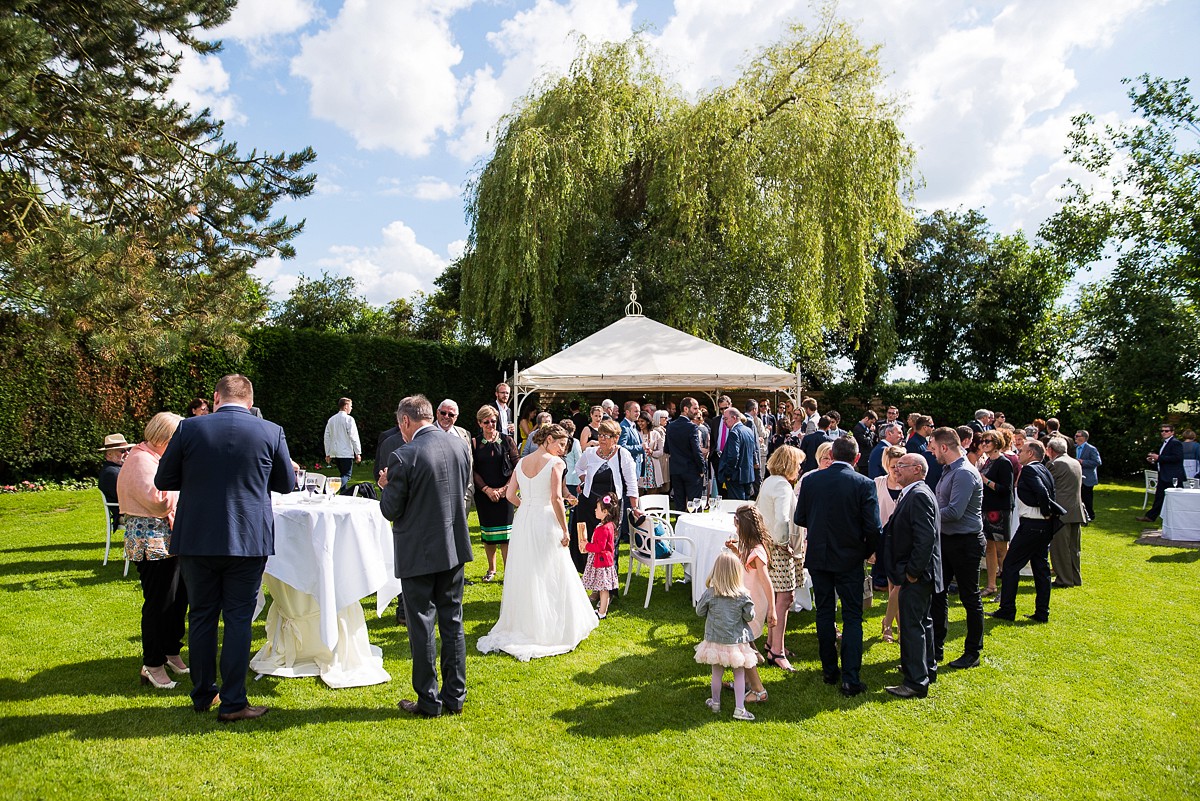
427	481
1068	480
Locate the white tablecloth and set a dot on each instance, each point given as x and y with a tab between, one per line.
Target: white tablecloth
1181	515
709	531
328	557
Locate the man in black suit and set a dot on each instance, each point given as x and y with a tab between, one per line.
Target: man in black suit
1169	463
913	556
718	433
839	508
423	496
682	444
982	422
505	424
1031	544
225	466
918	442
812	441
864	435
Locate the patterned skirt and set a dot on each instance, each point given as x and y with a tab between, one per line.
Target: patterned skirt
599	578
783	570
147	539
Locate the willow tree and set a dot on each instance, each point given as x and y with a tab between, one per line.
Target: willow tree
749	215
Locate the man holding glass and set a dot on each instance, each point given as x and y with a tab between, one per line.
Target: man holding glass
1168	460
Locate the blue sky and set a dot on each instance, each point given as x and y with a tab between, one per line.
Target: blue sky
397	98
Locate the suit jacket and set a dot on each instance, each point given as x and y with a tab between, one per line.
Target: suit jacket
977	427
225	466
714	439
107	480
737	460
864	436
914	539
839	508
683	446
388	441
1068	483
427	482
632	441
1089	460
933	473
809	445
1170	463
1035	486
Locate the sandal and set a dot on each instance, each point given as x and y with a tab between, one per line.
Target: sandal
780	661
888	636
989	593
758	697
488	576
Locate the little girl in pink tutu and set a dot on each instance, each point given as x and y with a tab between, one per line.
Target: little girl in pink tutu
728	610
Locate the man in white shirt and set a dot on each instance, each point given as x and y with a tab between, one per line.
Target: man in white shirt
504	424
341	440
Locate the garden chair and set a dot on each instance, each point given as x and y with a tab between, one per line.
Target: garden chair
112	513
1151	486
643	550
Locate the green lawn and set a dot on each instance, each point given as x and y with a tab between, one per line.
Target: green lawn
1099	703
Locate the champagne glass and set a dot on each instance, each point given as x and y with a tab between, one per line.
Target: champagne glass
332	485
714	503
691	504
310	484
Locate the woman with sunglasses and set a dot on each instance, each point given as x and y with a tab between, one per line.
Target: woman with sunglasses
495	456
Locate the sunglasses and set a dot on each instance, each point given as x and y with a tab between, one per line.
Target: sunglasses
442	413
488	423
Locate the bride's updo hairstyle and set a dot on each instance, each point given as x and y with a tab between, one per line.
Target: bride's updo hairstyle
549	431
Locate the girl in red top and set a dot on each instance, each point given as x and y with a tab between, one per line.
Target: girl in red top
600	575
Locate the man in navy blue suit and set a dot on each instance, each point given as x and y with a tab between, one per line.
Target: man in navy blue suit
841	512
682	444
1168	460
225	466
736	468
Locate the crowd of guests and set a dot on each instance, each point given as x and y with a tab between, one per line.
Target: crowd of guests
920	507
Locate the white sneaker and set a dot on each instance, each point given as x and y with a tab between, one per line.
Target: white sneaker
715	706
741	714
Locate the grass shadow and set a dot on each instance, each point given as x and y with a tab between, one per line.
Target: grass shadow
1179	557
67	546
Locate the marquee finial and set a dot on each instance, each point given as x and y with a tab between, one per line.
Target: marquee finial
633	308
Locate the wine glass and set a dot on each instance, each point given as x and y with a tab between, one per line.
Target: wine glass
332	485
300	474
714	503
310	484
692	504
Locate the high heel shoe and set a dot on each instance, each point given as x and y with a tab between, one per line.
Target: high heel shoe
180	669
780	661
148	679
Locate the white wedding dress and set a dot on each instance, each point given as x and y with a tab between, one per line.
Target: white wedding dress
544	610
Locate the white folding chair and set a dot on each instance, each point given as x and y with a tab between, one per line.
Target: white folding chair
1151	487
112	512
730	506
642	552
319	478
658	505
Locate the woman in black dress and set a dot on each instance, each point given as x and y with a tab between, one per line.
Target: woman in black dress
998	482
495	456
588	434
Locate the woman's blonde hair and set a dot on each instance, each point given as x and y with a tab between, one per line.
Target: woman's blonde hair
610	427
161	428
726	577
823	450
486	413
786	461
891	454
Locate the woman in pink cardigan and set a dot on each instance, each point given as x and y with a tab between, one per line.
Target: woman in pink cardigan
149	514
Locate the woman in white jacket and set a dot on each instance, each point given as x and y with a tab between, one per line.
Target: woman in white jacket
777	505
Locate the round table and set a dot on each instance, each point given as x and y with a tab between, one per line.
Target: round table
1181	515
709	531
330	553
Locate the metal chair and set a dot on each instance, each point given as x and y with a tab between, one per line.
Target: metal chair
1151	486
642	551
112	513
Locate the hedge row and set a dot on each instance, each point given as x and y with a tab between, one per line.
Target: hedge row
56	405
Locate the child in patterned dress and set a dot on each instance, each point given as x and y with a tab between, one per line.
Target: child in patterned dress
600	575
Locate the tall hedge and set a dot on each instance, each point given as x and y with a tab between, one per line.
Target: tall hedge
57	404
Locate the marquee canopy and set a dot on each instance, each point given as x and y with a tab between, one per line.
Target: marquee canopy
639	354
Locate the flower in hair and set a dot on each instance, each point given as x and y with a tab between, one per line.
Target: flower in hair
607	499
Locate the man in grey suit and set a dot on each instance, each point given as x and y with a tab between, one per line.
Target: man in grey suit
423	496
1068	489
913	558
225	466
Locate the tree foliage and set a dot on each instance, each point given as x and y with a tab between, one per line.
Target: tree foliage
749	216
967	300
1133	342
124	217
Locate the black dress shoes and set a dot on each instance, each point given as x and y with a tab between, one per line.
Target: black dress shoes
831	678
851	690
965	661
998	615
1038	618
904	691
411	708
245	713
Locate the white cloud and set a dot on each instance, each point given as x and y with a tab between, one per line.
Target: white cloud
395	268
202	82
383	71
533	42
427	187
255	20
270	271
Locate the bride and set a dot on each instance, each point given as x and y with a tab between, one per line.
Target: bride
544	610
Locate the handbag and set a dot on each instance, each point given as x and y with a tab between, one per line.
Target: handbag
662	548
